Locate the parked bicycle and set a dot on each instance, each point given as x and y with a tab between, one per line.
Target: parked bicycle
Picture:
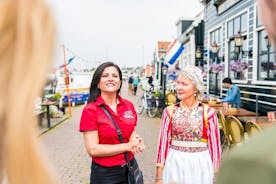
152	103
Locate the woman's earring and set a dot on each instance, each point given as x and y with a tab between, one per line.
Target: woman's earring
194	94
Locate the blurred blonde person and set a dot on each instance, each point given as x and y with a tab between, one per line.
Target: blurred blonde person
255	161
26	40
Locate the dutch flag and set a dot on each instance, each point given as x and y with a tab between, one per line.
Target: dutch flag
174	50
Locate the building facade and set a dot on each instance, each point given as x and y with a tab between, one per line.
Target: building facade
235	39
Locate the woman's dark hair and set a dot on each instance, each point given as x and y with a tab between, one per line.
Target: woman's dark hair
94	91
227	80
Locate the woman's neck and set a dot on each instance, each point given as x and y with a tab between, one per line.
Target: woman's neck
109	99
188	103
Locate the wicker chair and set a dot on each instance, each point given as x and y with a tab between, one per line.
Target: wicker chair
225	142
252	128
235	129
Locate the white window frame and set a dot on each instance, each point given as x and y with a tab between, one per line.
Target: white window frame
227	48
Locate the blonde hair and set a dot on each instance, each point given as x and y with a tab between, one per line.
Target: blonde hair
26	44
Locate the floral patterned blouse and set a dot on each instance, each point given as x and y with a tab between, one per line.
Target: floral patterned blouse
187	124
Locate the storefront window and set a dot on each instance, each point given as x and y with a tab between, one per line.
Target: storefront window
244	23
239	23
215	59
230	29
259	22
266	59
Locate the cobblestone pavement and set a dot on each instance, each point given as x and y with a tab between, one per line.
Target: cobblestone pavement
65	151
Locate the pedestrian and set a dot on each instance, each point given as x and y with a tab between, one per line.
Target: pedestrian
233	96
27	37
130	85
136	81
100	135
254	161
189	144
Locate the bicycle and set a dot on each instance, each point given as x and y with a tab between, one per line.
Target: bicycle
151	103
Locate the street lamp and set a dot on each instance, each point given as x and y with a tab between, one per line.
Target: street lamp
164	71
268	45
198	56
238	39
215	51
198	53
215	47
238	43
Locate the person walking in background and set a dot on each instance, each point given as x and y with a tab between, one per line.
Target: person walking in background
100	135
189	143
136	81
254	161
130	85
233	96
27	37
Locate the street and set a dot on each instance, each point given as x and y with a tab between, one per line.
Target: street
65	150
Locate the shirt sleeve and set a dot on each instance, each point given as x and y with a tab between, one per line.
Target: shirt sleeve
88	119
134	113
231	94
164	138
214	138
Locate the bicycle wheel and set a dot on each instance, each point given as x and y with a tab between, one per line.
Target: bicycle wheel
139	104
153	109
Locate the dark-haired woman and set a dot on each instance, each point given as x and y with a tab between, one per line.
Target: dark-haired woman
100	136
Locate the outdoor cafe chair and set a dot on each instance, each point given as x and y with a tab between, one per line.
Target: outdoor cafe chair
252	128
235	129
222	123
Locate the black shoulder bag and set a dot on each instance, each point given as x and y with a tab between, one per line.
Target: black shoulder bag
135	175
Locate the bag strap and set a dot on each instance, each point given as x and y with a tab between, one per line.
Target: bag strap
118	130
171	110
206	122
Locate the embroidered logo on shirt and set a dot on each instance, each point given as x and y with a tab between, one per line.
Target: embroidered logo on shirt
128	114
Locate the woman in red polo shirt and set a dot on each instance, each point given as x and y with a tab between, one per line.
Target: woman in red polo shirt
100	135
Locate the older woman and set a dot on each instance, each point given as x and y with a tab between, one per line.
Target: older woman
189	145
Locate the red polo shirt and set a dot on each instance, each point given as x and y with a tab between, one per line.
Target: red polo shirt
94	118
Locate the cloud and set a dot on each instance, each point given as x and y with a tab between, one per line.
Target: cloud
118	30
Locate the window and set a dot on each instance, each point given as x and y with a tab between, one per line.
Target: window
237	55
258	20
236	24
214	77
230	29
266	59
244	23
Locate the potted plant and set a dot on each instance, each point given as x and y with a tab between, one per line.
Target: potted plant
216	68
268	65
238	66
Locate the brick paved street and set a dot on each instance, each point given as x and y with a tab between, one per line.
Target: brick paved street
65	149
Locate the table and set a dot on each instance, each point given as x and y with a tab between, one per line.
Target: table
47	104
263	121
239	113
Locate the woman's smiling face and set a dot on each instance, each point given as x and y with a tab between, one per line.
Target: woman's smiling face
110	80
185	88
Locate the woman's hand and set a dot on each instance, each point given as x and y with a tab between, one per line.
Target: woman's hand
136	143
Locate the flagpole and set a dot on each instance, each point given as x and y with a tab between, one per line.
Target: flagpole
66	72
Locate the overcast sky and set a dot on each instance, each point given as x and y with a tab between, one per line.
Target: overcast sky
122	31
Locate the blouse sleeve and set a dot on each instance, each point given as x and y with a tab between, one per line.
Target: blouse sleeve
88	119
214	138
164	137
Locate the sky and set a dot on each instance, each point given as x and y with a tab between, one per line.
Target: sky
122	31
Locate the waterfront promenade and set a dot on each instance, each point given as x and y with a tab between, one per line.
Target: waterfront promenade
65	151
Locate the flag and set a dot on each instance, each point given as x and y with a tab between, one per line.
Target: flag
69	61
174	51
